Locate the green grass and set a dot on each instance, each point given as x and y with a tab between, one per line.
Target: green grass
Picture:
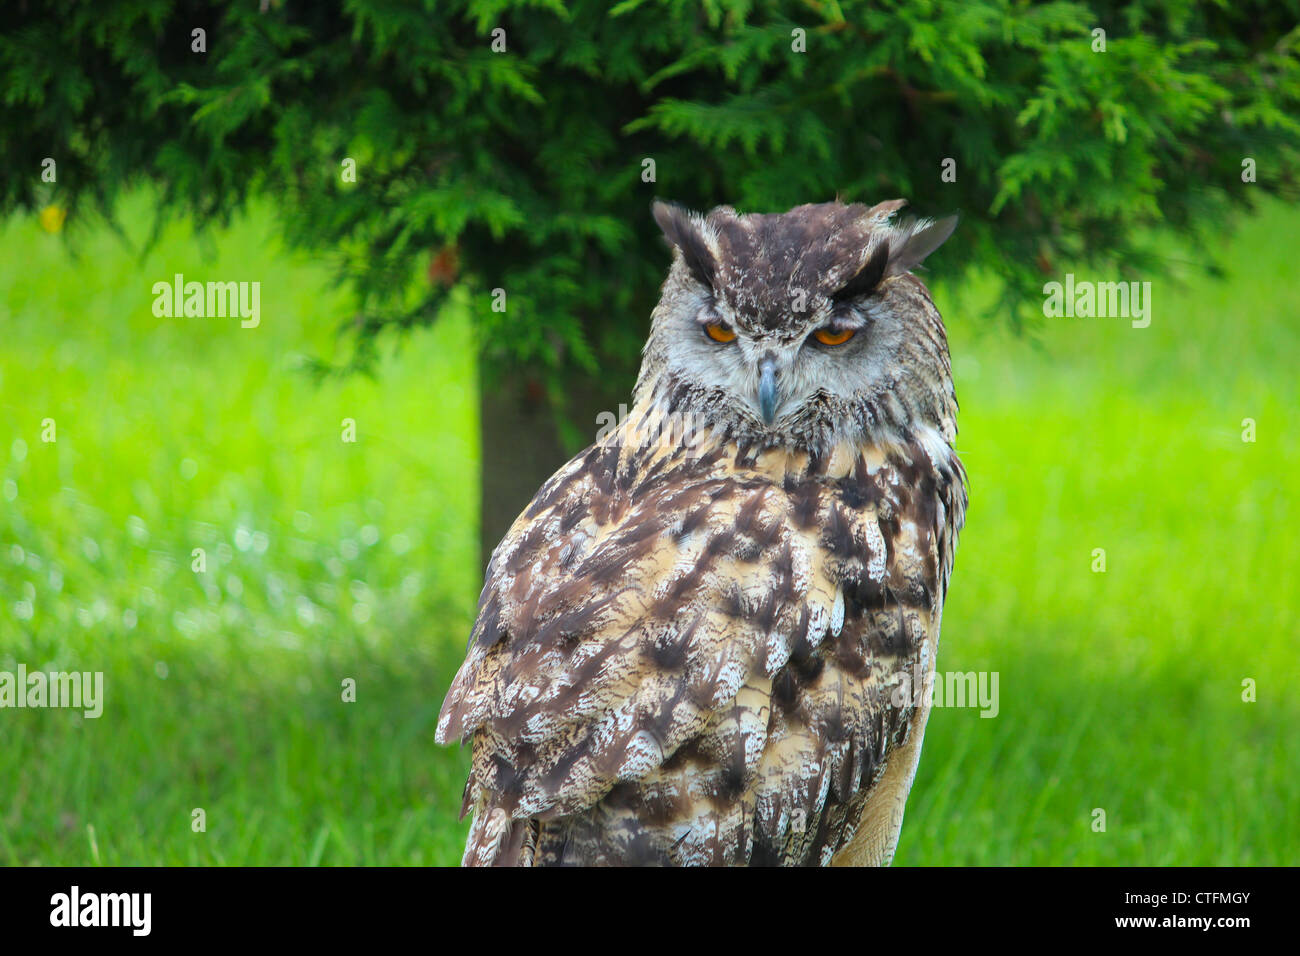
1123	690
325	560
328	560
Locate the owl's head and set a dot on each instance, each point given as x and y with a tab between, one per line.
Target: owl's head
802	329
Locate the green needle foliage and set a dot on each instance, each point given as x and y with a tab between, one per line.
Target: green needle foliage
524	168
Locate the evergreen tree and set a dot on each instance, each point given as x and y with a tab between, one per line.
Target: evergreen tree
516	146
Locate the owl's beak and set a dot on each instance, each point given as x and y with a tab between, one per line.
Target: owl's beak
767	393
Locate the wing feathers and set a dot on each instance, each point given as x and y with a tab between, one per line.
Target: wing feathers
680	667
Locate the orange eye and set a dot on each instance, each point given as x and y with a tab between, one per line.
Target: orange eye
834	336
719	332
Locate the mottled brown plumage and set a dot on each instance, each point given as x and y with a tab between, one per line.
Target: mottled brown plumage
700	644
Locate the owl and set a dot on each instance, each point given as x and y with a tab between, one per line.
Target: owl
708	638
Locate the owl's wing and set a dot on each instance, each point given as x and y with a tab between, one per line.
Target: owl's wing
688	658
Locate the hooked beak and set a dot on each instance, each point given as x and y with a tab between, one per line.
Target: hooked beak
767	394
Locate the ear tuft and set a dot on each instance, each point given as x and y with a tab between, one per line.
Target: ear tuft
867	277
687	231
914	241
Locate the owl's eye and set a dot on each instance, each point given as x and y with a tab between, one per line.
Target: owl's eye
829	336
719	332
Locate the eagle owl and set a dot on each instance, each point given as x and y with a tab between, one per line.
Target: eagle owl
706	640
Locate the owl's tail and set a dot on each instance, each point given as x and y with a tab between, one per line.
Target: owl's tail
497	840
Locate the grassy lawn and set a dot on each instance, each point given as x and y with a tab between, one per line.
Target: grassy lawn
328	560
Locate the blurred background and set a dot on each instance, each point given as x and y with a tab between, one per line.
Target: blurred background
1173	447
